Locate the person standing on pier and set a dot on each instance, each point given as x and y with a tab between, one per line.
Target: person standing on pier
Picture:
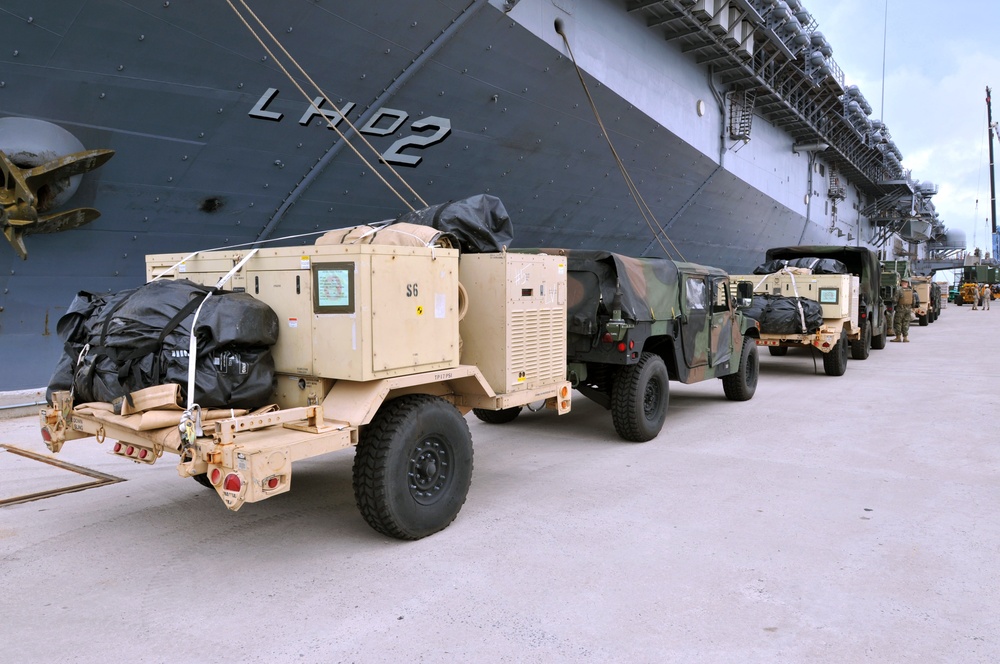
984	302
905	301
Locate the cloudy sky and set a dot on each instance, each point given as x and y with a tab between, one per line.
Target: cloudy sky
940	56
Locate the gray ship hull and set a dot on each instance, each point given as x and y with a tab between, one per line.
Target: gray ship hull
215	147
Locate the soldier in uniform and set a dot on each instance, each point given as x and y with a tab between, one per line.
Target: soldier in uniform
985	302
905	301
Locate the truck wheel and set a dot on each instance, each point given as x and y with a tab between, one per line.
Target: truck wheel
639	398
502	416
922	320
835	362
741	385
861	348
413	467
878	340
778	351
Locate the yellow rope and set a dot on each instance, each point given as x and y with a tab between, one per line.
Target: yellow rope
316	108
644	209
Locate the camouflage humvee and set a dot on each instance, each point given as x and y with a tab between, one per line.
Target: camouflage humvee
636	323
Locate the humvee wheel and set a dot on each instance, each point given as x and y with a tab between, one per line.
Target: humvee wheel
413	467
878	340
835	362
922	320
861	348
778	351
202	479
502	416
741	385
640	395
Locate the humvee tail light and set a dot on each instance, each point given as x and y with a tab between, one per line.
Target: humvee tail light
46	436
215	476
621	346
564	392
607	338
271	482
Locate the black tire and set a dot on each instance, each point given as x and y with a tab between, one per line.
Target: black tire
413	467
502	416
861	348
778	351
741	385
835	362
640	396
202	479
879	340
922	320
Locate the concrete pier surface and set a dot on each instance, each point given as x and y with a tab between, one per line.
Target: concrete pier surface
829	519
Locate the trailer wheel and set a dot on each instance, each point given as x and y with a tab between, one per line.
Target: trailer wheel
922	320
502	416
741	385
835	362
202	479
639	398
413	467
878	340
778	351
861	348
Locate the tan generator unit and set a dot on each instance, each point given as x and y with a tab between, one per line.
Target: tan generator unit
352	312
515	327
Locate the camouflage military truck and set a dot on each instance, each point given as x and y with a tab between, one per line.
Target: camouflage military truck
853	313
634	324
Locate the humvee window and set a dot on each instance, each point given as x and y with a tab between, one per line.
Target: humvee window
696	295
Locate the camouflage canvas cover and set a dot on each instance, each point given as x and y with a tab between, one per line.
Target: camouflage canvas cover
647	287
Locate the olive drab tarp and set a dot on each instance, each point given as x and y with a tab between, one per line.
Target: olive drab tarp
646	289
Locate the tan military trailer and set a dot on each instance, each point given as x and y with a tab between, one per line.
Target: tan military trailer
926	311
374	351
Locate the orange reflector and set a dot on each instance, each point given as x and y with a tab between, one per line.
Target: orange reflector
232	483
564	391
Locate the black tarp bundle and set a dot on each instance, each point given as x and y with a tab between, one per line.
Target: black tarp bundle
479	224
778	314
117	344
817	265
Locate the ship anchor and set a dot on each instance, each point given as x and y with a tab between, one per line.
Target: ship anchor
26	192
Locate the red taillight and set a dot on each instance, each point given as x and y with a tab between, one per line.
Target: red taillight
216	476
143	454
826	344
129	451
272	482
631	344
118	448
232	483
607	338
621	346
864	315
46	436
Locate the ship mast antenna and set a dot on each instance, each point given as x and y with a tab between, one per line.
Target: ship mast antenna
644	209
323	95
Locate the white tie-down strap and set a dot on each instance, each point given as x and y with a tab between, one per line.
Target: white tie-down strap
193	342
798	301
